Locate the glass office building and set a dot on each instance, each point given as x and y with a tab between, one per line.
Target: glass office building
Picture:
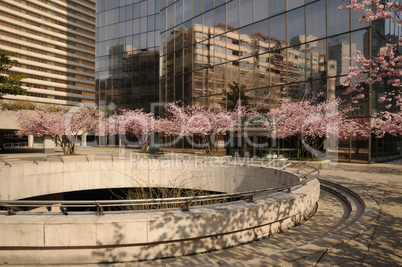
201	51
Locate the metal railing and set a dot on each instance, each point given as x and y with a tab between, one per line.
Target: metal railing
183	202
10	161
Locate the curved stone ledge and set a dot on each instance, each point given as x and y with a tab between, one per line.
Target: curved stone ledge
50	238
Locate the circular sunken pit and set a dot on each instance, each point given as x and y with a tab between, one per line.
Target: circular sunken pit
86	237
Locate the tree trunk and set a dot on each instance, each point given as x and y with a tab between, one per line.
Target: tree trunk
67	145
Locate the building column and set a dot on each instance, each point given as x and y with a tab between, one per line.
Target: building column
48	145
84	139
102	140
30	141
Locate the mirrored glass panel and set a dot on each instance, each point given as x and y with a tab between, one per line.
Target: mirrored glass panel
261	9
232	9
198	7
277	27
188	9
170	17
316	20
296	31
246	12
220	20
276	7
338	20
179	11
294	4
360	41
339	47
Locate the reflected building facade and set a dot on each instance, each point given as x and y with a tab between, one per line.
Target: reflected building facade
196	50
127	53
272	49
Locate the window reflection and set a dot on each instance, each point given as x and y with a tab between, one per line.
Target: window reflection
232	9
179	11
361	40
205	49
220	17
316	20
338	47
338	21
170	17
294	4
296	25
188	9
247	56
277	28
246	12
261	8
276	7
197	7
127	62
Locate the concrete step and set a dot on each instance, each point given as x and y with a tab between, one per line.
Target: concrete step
339	209
332	212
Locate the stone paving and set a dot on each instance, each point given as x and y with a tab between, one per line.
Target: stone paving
379	245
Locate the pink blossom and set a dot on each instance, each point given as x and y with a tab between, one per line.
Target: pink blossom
205	122
61	125
386	65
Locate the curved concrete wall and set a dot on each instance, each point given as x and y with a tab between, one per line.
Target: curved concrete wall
126	236
76	173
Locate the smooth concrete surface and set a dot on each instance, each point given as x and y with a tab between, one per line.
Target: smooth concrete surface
46	238
71	173
8	120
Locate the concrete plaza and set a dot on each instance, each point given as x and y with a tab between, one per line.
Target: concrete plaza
378	245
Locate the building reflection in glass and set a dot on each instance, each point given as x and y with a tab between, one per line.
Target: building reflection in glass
195	51
267	68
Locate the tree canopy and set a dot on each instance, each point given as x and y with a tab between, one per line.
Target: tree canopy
9	83
61	125
384	68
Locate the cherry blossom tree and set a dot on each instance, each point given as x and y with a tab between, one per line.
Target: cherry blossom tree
137	122
61	125
308	121
209	124
384	67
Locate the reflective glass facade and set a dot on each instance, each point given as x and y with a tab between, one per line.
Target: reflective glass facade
196	50
272	49
127	53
